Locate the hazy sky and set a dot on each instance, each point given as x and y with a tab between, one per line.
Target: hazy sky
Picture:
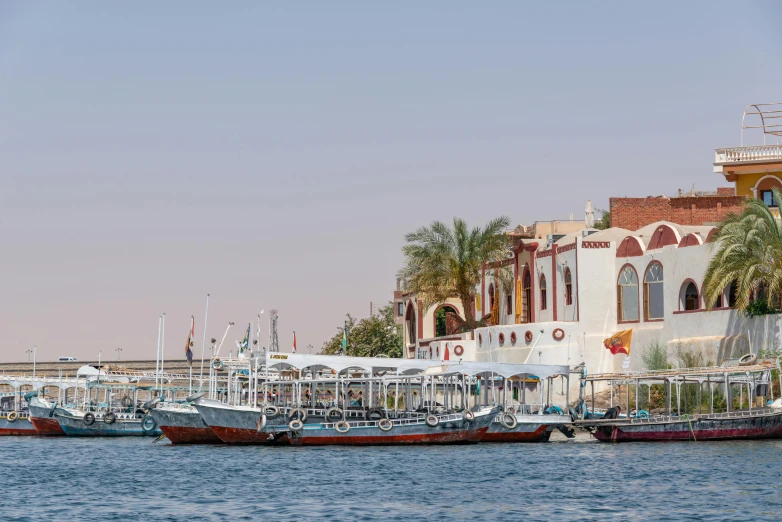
274	155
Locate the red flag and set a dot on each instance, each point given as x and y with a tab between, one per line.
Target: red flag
294	342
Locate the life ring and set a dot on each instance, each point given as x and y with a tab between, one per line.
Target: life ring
385	424
513	338
748	360
12	416
528	336
298	413
432	421
271	411
333	414
261	423
468	416
342	427
642	414
295	425
89	418
374	414
508	420
501	338
458	350
109	418
558	334
127	402
148	423
217	364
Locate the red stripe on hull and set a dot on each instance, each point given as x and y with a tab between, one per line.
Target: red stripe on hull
49	427
617	435
189	435
539	435
244	436
452	437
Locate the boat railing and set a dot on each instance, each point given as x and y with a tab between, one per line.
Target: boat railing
400	421
685	417
20	415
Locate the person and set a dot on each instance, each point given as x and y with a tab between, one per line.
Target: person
612	413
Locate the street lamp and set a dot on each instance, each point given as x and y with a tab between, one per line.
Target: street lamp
118	350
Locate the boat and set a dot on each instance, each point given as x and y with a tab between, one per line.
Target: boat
13	422
182	424
692	424
433	428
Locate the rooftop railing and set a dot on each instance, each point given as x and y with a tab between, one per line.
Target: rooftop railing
748	154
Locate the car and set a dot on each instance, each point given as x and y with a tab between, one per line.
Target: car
67	359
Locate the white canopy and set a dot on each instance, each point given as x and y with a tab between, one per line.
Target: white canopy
504	369
339	363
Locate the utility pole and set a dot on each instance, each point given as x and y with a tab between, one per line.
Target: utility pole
274	342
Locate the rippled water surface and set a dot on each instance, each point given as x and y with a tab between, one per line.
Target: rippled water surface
133	479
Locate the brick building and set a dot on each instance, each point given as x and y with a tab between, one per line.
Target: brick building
689	209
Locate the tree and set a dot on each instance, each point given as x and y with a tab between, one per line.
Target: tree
443	262
370	337
605	220
748	254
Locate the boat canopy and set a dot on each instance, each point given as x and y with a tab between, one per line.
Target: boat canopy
340	363
506	370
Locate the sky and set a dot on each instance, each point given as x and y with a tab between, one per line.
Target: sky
274	155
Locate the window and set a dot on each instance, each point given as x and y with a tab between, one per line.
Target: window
509	305
768	198
568	288
731	294
689	298
627	295
491	298
400	309
543	301
654	307
526	298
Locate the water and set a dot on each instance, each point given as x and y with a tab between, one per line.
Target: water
133	479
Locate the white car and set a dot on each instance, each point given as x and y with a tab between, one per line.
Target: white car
67	359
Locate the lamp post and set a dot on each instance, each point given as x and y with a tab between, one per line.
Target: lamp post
118	350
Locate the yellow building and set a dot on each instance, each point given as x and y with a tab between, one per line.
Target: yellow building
755	169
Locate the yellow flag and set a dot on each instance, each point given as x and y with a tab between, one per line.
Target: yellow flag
518	301
478	303
619	342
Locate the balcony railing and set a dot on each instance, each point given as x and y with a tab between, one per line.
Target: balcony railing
748	154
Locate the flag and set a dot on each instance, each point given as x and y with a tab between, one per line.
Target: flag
447	356
345	337
189	345
246	341
619	342
294	341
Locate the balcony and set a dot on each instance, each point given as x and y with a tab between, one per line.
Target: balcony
746	156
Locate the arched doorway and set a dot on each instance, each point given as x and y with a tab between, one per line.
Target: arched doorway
526	298
410	322
440	320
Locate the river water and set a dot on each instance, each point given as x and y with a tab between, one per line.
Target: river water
134	479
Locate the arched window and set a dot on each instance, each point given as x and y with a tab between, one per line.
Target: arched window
410	319
509	305
568	288
491	297
627	295
526	298
543	301
654	307
689	299
731	293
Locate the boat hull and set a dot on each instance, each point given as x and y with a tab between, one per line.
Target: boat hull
20	426
184	426
42	418
241	425
74	426
698	428
527	429
368	434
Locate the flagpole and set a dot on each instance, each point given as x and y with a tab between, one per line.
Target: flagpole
157	354
203	346
163	350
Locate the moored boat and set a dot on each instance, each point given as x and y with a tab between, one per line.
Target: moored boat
16	423
182	424
42	417
241	424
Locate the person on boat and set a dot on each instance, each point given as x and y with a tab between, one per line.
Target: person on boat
612	413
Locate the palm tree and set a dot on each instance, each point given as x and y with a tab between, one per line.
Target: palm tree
748	254
443	262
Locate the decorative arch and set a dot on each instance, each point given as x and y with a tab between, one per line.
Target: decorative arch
543	292
691	239
434	319
689	296
710	235
627	295
527	296
411	322
662	236
767	182
654	295
631	246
